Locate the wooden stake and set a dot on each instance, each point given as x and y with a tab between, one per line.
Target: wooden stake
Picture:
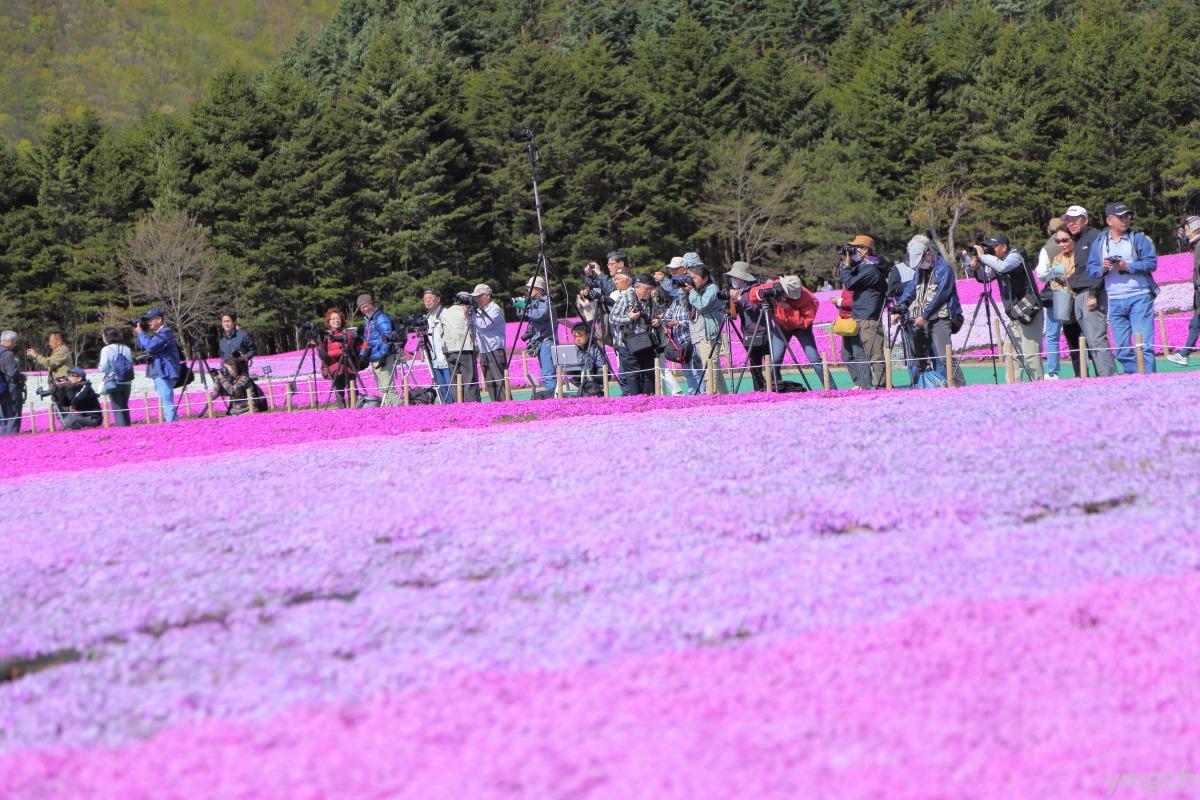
508	387
162	410
1140	353
950	366
187	403
1162	328
604	378
559	388
403	386
270	395
770	375
32	418
105	410
459	386
833	352
999	353
353	392
825	372
658	383
287	394
887	369
710	376
1083	357
312	391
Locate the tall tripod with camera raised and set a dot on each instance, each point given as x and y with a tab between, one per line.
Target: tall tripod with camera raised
1026	307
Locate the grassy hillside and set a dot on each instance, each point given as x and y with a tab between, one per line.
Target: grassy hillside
125	56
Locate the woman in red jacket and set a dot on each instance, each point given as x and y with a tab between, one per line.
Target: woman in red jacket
793	310
338	351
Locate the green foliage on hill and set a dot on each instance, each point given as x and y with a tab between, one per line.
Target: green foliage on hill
125	57
375	155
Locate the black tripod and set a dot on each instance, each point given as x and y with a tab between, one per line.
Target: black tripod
988	304
309	352
766	313
346	369
198	364
902	331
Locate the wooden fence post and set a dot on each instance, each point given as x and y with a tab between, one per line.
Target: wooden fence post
1140	353
459	386
604	377
1162	327
950	366
1083	357
825	370
887	369
658	383
403	386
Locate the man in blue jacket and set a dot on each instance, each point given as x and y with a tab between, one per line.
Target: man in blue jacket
159	342
1126	261
377	348
865	275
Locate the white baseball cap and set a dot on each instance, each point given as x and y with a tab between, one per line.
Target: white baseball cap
1075	211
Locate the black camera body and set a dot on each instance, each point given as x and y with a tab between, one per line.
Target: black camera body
591	293
465	299
44	391
723	295
846	249
311	334
522	134
144	358
140	322
415	322
683	280
771	291
987	248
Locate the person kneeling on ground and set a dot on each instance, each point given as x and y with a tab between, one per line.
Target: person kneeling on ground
233	382
76	402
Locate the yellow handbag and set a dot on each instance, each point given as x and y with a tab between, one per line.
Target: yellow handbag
845	326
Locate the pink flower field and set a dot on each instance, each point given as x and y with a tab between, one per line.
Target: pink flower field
986	592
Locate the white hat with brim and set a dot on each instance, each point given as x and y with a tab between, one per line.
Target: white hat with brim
481	288
536	283
792	286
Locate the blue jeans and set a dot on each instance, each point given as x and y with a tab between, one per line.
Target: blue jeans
1128	317
165	388
441	378
546	362
1053	335
119	397
780	337
693	372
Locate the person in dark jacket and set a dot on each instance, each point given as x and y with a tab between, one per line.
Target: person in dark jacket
233	382
1091	303
159	342
12	392
235	341
76	402
866	275
931	299
754	322
377	348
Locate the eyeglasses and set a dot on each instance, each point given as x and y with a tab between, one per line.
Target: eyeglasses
1063	241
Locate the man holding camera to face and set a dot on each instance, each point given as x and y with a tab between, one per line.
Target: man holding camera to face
235	342
75	401
1126	260
158	341
636	321
995	259
864	275
488	319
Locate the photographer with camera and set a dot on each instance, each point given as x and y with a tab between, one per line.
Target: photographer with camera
995	259
337	347
376	348
116	364
12	385
636	321
75	401
707	318
490	331
233	382
1191	230
59	360
439	366
235	341
539	336
459	347
756	330
793	309
932	294
865	275
1125	260
158	341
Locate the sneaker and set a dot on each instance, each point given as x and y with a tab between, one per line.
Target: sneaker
1050	376
1178	358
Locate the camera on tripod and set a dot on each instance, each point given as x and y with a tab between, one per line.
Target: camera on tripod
522	134
415	322
465	299
772	291
310	332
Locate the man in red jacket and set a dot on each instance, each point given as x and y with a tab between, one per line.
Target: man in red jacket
793	309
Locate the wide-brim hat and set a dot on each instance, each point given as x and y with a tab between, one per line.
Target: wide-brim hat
863	241
691	260
481	288
741	271
536	283
793	287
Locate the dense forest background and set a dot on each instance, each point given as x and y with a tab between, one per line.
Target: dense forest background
376	153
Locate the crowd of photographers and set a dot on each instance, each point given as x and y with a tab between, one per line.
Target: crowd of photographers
677	318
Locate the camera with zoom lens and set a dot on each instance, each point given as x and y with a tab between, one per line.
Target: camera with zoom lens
846	249
987	248
414	322
683	280
723	295
465	299
338	337
140	322
44	391
144	358
772	290
311	334
521	134
591	293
